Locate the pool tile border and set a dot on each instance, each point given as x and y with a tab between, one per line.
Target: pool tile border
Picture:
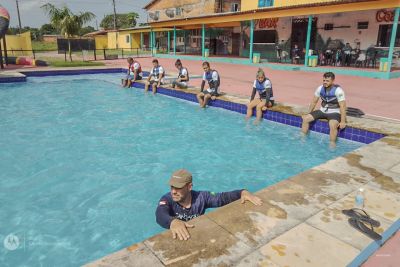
349	133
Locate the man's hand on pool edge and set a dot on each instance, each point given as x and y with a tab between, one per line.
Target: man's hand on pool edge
179	229
247	196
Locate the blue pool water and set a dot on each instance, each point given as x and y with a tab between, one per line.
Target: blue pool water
83	163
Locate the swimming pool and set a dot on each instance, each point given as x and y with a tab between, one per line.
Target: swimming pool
83	163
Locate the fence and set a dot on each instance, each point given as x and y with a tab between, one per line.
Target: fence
83	55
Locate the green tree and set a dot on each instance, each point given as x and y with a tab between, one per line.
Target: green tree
68	23
48	29
127	20
86	30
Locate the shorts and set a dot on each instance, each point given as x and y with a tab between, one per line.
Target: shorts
272	102
214	92
318	114
154	81
180	84
130	77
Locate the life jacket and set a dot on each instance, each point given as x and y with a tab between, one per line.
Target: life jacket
329	99
132	68
211	82
180	74
262	91
156	72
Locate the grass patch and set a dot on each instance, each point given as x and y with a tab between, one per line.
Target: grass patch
63	63
40	45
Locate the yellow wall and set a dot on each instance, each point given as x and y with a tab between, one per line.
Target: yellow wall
280	3
101	41
135	40
112	40
249	5
122	42
253	4
18	42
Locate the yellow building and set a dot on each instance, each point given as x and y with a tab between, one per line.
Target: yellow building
19	45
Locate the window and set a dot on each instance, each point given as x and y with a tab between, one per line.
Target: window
384	35
178	11
362	25
265	36
235	7
328	27
265	3
127	39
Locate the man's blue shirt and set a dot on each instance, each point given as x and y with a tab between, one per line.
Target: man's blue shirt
169	210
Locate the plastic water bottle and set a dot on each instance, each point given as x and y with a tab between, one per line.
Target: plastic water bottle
359	199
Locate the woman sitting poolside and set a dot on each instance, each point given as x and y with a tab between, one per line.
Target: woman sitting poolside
263	86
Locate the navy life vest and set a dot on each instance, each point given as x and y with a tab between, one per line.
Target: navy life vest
156	72
181	76
262	91
211	82
329	99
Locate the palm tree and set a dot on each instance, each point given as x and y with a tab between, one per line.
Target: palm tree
68	23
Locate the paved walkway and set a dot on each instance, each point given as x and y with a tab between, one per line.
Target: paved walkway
373	96
388	255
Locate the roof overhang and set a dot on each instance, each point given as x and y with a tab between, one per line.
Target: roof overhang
150	4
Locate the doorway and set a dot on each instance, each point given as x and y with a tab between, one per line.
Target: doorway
299	34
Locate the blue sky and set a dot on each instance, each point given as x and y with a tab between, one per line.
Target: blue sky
33	16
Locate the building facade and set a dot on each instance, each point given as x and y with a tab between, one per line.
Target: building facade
238	29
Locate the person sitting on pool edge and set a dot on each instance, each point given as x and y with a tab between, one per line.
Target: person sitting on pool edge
214	81
183	76
155	78
134	72
183	204
263	86
333	107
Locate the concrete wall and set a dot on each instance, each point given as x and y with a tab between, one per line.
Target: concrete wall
227	5
101	41
18	42
189	8
345	28
365	38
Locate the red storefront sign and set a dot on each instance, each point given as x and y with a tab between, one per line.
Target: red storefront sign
268	23
384	16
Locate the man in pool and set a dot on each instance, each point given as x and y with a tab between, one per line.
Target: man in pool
182	204
333	107
214	81
156	77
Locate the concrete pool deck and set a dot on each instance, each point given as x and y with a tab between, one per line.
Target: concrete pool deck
300	223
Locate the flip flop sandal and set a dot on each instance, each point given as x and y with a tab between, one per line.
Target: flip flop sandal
363	228
361	215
